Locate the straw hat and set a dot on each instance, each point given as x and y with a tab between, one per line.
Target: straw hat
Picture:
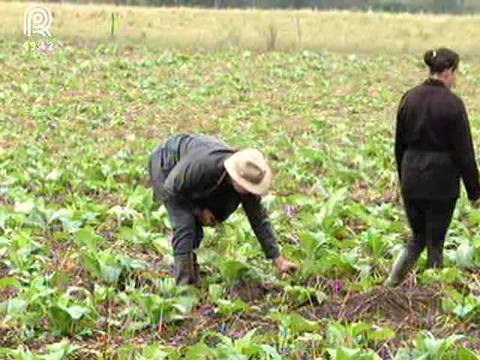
250	170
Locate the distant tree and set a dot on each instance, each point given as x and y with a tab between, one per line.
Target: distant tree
437	6
447	6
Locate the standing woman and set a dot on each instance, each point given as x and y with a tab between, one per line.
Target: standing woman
433	150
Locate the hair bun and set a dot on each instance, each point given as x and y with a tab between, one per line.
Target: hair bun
428	57
441	59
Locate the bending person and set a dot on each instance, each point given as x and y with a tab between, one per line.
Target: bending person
201	182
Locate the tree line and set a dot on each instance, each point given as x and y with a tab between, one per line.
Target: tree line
413	6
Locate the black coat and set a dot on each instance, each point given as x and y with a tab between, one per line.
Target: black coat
433	144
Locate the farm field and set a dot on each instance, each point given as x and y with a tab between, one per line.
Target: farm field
196	29
85	259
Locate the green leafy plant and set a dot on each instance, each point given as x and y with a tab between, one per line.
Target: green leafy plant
429	347
162	310
344	353
241	349
356	334
86	253
69	315
108	266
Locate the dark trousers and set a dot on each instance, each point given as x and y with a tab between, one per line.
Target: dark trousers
185	224
429	220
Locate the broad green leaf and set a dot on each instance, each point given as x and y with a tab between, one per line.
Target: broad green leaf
234	271
297	324
60	351
59	319
24	207
76	311
270	352
381	334
15	306
199	351
466	354
158	352
464	255
343	353
87	237
6	282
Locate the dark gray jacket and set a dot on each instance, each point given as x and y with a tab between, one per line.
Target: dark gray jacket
187	172
433	144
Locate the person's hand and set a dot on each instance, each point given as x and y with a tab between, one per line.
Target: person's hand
285	266
207	218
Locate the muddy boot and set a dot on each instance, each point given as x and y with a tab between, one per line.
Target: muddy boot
435	256
185	270
434	260
401	267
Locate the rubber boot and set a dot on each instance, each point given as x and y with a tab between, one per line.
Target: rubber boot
434	259
401	267
435	256
185	270
196	269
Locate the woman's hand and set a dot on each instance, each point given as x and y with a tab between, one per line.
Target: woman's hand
207	218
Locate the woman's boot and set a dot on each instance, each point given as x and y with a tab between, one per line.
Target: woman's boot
403	264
